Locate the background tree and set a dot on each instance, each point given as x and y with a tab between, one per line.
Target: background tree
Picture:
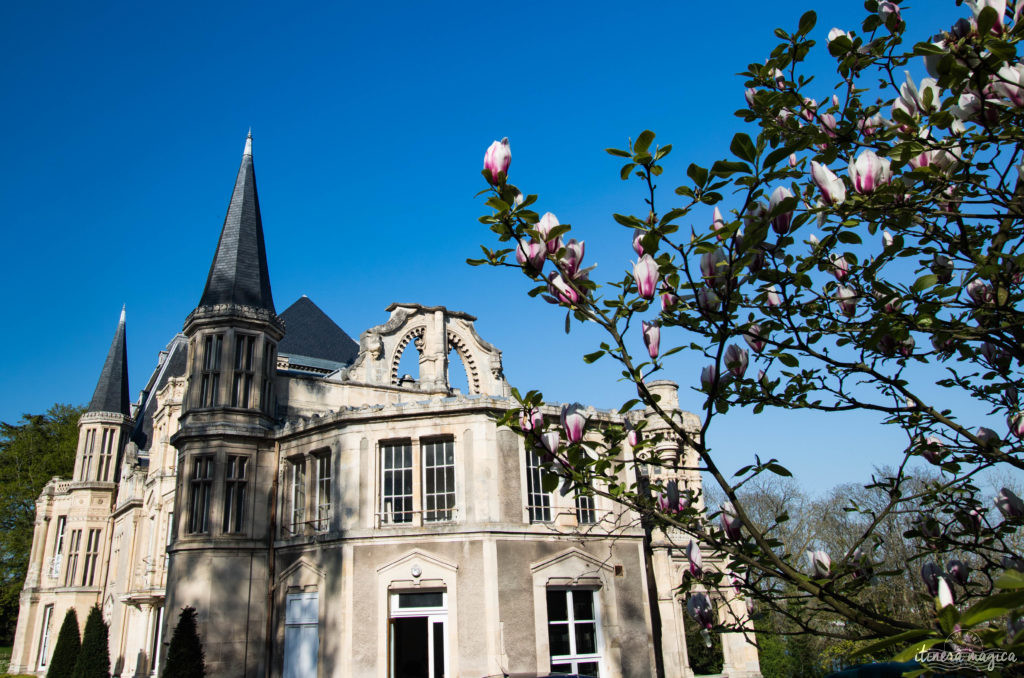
866	253
94	657
36	449
185	654
65	652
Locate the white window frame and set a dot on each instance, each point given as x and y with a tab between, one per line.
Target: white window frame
536	512
324	478
390	450
44	637
298	495
434	615
444	513
575	658
58	547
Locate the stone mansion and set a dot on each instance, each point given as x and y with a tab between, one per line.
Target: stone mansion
328	516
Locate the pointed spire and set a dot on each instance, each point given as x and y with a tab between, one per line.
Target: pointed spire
238	275
111	393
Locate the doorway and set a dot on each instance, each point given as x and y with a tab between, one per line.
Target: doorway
418	634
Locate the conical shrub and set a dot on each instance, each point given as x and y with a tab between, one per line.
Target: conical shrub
65	653
185	654
94	657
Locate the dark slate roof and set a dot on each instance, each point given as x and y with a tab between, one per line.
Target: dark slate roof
239	273
111	394
173	363
310	333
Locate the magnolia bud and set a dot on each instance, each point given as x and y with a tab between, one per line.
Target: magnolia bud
497	159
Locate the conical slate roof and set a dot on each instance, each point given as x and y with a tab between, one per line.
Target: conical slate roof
311	333
111	393
239	273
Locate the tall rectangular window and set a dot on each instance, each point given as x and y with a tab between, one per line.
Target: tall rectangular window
92	552
245	347
538	502
87	452
44	636
210	380
298	495
58	547
572	632
73	545
323	492
268	376
235	482
106	455
200	486
438	480
586	514
396	483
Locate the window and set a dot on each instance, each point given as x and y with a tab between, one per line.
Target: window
396	482
301	634
438	480
106	453
76	541
210	381
586	514
323	492
44	640
298	495
245	347
58	546
268	375
234	493
92	551
200	485
572	632
538	502
417	634
87	452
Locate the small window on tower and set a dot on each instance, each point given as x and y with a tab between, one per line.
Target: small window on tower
245	347
200	486
210	380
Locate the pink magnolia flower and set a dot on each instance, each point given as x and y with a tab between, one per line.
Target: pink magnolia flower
868	172
573	422
730	522
531	420
713	268
828	125
560	290
652	337
820	563
958	570
632	437
772	297
707	300
530	255
708	376
551	440
695	559
668	297
945	593
932	449
1009	504
870	124
736	359
980	292
544	226
840	267
638	247
749	95
756	337
1016	424
886	8
987	436
792	159
832	188
497	159
781	222
837	33
887	240
809	109
847	298
930	574
699	608
718	224
645	273
572	258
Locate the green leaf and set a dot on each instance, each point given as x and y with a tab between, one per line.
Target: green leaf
924	282
549	481
497	203
906	637
618	152
698	174
986	20
626	169
807	22
996	605
743	148
848	237
788	360
726	168
920	646
643	142
778	470
775	156
592	357
1011	579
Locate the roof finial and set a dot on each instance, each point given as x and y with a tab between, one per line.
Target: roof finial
122	312
248	144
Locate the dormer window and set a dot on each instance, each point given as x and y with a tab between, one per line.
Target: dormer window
210	380
245	347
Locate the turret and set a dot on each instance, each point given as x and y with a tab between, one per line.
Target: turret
104	428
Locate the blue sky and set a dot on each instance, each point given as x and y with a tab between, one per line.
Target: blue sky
124	125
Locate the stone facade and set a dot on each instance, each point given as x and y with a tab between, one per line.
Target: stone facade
327	516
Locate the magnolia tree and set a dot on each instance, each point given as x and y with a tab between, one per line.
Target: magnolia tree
861	249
